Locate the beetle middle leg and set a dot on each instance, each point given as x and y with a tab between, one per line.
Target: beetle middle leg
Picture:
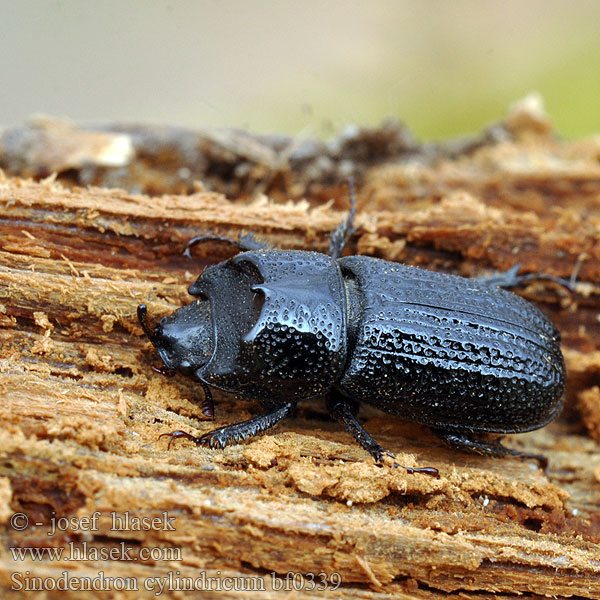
468	441
342	233
223	436
342	411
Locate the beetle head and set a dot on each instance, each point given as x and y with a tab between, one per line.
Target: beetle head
184	339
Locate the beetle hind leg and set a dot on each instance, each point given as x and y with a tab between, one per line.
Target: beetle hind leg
510	279
341	410
468	441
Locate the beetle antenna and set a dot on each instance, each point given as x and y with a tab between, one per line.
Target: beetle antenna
148	324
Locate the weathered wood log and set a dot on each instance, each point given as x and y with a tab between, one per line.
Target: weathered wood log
82	408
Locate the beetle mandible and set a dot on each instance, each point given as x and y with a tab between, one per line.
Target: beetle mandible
462	356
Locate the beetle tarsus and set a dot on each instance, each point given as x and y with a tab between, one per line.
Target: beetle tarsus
468	441
342	411
178	434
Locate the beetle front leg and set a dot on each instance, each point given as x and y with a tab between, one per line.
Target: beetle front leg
223	436
341	410
244	242
468	441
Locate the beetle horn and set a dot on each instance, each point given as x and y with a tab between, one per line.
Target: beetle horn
148	323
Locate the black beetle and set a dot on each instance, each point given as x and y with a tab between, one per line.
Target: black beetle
459	355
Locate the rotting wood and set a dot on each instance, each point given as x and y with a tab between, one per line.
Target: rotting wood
82	408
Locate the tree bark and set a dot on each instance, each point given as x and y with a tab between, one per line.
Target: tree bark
82	408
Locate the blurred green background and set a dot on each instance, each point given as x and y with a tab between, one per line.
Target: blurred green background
444	68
